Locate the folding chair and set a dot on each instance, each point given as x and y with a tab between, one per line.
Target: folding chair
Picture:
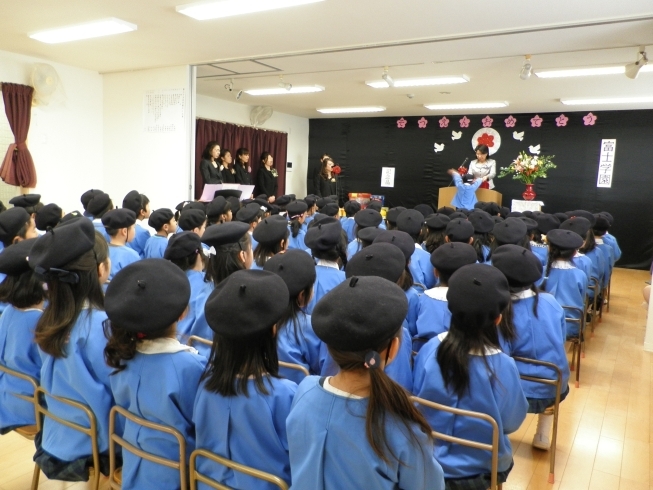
296	367
577	342
596	289
194	338
115	478
493	448
551	382
195	476
29	432
40	395
421	286
607	296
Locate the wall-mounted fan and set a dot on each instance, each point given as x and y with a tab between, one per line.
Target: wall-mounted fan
260	114
45	81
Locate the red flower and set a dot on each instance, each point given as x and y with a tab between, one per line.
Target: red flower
336	170
485	139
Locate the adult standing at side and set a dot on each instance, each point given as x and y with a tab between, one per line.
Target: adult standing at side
210	167
227	163
267	177
243	176
316	173
483	167
327	179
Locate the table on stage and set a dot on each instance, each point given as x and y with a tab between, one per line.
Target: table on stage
521	206
446	195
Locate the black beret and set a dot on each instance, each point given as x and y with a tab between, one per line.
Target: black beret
477	292
352	207
283	200
25	200
194	205
481	221
323	236
274	209
236	205
147	296
410	221
492	208
216	207
514	214
561	216
546	223
13	260
530	223
425	209
608	216
48	215
181	205
263	197
583	214
458	215
119	218
73	215
379	259
399	239
317	217
578	225
393	213
459	230
88	195
61	245
225	233
368	217
480	205
520	266
248	302
504	211
295	267
497	219
450	257
228	193
160	217
248	213
527	214
189	219
11	221
133	201
369	234
512	230
296	209
342	319
182	245
437	221
323	201
98	203
602	223
333	198
564	239
374	204
271	230
330	209
446	210
310	200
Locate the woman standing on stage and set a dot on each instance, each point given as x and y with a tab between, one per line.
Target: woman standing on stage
267	177
210	164
483	167
327	179
228	172
242	163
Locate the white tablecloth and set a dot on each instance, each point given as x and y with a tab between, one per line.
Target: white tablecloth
522	206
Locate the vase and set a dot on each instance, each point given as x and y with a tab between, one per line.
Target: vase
529	193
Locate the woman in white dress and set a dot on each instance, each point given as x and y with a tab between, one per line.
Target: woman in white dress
483	167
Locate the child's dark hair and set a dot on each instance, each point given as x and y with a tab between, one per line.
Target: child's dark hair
104	211
556	253
188	262
21	233
387	398
121	344
214	220
144	202
589	244
233	361
22	291
294	311
433	239
295	226
481	239
226	261
406	281
264	251
67	300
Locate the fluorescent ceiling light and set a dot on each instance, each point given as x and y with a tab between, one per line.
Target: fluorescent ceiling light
229	8
472	105
588	72
419	82
280	91
98	28
609	100
350	110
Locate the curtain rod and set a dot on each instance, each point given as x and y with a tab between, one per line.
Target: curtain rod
242	125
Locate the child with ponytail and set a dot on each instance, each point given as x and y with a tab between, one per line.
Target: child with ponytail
297	215
358	428
271	235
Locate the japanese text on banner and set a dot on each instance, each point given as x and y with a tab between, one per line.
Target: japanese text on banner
606	163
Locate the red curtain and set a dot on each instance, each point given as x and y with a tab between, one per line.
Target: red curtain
232	137
18	166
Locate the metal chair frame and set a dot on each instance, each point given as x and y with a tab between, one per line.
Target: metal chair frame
493	448
596	289
195	476
577	343
201	340
114	439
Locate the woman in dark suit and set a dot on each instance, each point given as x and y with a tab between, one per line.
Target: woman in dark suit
243	176
327	179
266	177
210	164
228	170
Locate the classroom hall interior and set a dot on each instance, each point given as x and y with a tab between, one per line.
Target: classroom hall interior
370	83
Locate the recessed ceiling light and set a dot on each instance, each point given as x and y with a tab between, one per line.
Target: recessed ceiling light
587	72
608	100
98	28
280	91
419	82
350	110
229	8
471	105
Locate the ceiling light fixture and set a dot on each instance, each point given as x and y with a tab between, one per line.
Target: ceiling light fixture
350	110
608	100
98	28
526	69
387	79
285	86
308	89
588	72
229	8
471	105
633	69
420	82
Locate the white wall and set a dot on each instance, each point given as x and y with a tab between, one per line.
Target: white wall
155	164
65	137
296	127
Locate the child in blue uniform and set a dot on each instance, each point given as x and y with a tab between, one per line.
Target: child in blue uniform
218	211
164	222
271	235
74	262
511	231
540	333
311	201
348	223
600	228
140	205
86	198
250	214
391	217
411	221
589	250
436	225
358	429
241	407
323	238
24	295
465	368
365	218
297	217
296	341
193	220
609	238
120	226
545	223
483	225
99	204
155	377
459	230
467	185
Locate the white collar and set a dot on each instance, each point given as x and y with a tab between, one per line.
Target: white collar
328	263
489	351
562	264
526	293
332	389
163	346
599	241
417	245
535	244
439	293
578	254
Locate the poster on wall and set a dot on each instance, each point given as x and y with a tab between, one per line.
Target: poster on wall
606	163
163	110
387	177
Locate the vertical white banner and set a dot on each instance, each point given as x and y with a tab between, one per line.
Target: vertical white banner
606	163
387	177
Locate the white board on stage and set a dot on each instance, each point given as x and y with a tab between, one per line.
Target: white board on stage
211	189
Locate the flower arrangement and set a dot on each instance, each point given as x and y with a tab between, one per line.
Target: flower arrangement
526	168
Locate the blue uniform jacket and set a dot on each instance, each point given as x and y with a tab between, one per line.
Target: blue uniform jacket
155	247
569	286
140	240
326	279
421	268
303	348
121	257
465	197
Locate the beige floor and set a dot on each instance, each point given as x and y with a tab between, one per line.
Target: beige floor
604	441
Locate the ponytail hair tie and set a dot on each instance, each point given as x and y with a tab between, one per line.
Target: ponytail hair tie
372	360
140	335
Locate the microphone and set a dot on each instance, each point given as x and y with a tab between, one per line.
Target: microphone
466	160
